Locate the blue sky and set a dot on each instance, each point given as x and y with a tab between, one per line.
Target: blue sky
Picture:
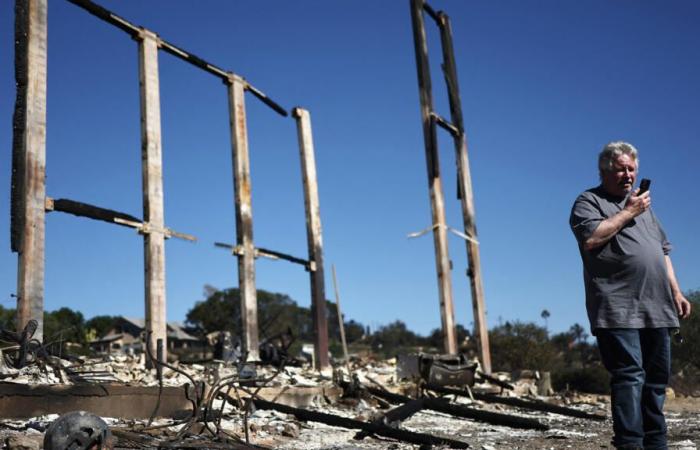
545	84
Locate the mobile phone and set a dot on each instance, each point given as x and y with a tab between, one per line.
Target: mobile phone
644	186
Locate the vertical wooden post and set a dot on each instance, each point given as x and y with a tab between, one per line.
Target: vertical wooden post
29	160
152	178
466	194
245	250
314	237
442	258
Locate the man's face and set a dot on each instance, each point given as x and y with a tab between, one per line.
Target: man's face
620	179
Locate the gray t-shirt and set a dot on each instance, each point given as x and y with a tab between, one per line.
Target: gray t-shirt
626	279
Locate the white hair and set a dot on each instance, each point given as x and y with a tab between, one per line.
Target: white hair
612	151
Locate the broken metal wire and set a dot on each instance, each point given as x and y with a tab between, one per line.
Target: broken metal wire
203	409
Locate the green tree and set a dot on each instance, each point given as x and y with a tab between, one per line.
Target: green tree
7	318
521	346
545	315
436	339
221	311
391	338
354	331
99	326
64	325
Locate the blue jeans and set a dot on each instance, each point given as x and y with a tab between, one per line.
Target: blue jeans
639	362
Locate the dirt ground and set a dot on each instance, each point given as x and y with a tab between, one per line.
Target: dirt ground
683	418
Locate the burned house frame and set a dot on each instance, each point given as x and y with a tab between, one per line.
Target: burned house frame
30	202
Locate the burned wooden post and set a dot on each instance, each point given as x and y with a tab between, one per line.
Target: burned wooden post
465	192
456	129
152	174
314	237
437	200
29	160
245	250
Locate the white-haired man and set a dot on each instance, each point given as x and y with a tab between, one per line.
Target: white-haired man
632	296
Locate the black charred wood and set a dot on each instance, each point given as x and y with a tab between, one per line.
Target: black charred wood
372	428
535	405
91	211
443	406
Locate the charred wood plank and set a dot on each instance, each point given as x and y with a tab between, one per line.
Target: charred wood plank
443	406
373	428
508	420
535	405
91	211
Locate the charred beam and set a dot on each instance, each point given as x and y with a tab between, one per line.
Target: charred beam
508	420
443	406
535	405
134	31
431	12
373	428
90	211
272	254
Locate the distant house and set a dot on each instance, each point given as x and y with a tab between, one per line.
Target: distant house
126	336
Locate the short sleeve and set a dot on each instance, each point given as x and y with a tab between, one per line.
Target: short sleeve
585	217
665	244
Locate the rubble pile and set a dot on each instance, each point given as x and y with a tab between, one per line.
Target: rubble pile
368	404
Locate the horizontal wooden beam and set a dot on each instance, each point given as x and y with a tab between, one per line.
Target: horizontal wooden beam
91	211
266	253
134	31
110	216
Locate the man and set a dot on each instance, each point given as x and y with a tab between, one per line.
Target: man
632	296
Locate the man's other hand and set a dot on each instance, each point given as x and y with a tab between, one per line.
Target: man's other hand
683	306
